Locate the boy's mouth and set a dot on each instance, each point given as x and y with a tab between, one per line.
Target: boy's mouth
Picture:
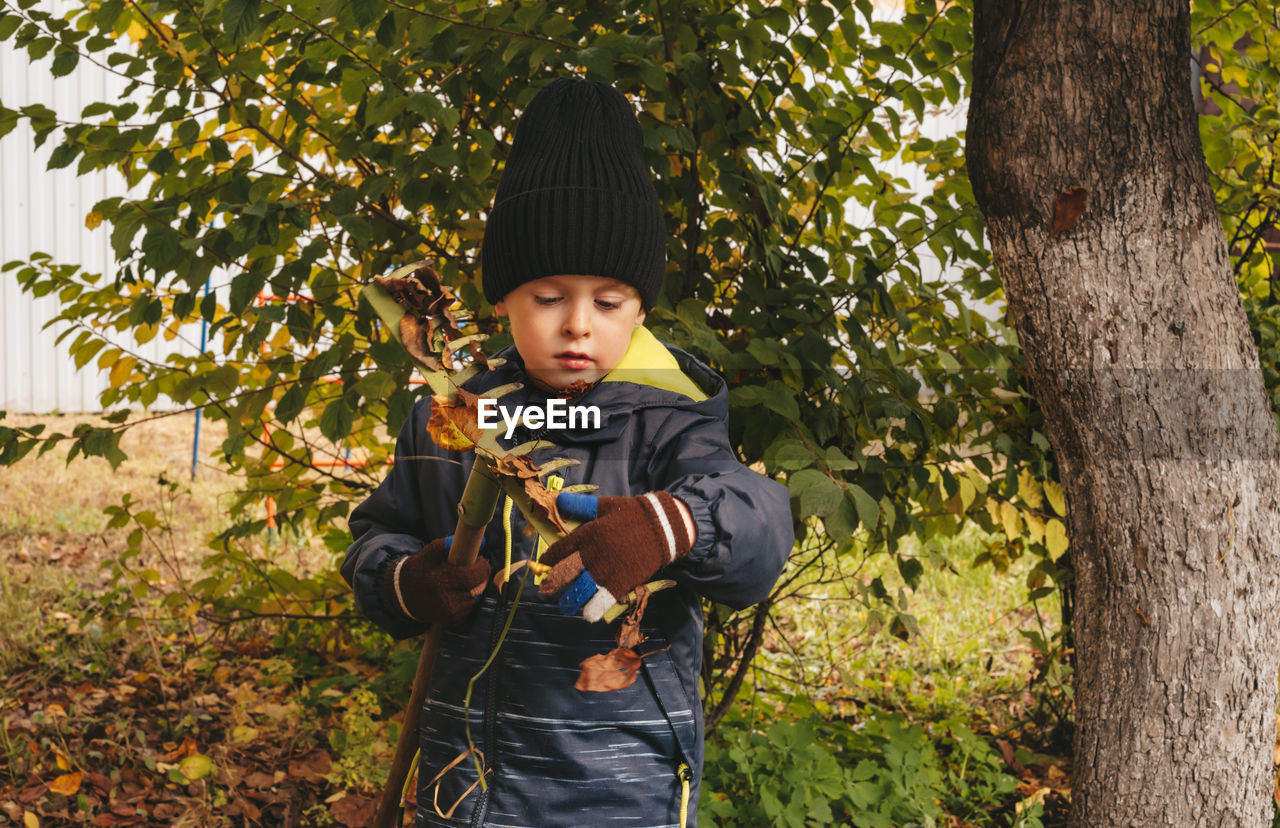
574	360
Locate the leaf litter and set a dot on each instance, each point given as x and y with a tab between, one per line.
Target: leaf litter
203	740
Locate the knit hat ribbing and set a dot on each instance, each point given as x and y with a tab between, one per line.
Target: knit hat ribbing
575	196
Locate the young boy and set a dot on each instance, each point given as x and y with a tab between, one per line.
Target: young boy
573	256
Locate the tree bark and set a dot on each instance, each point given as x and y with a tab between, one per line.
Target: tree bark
1085	158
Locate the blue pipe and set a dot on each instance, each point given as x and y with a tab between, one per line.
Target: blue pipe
195	443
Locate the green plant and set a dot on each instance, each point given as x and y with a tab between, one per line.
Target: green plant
881	770
361	744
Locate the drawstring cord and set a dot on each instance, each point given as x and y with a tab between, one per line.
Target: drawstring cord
685	774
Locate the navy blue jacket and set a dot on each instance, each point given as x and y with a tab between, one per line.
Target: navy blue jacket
556	755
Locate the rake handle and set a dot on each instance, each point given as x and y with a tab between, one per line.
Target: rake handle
479	500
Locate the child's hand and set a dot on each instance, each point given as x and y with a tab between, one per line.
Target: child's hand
626	540
427	588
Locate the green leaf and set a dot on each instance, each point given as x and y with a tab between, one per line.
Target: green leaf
62	155
9	24
598	62
221	382
911	570
365	11
836	460
765	352
336	420
792	456
868	509
291	403
8	120
358	227
160	248
819	495
240	18
64	61
841	524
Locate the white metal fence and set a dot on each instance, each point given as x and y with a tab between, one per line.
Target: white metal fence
43	210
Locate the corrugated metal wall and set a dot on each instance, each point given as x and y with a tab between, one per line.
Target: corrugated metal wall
43	211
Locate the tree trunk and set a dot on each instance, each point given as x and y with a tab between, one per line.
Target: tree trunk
1085	158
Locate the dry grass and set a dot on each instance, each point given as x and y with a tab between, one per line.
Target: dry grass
51	512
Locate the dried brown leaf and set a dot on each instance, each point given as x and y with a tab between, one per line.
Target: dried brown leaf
422	293
544	502
515	466
313	767
613	670
416	336
576	389
182	751
353	811
453	424
629	634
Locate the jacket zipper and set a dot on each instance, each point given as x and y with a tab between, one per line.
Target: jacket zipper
491	708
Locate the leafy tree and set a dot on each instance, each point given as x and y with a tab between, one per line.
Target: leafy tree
289	153
1238	51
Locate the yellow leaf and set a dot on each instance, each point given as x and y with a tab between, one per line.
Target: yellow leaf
93	220
136	31
1010	520
1035	527
60	759
993	509
1053	491
197	766
30	820
121	370
978	481
1029	489
967	492
67	784
243	733
1055	538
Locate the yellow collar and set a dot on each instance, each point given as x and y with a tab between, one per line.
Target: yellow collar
648	362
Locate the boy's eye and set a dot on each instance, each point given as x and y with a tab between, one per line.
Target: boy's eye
606	304
545	300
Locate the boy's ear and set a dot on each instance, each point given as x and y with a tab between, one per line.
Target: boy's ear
501	307
640	318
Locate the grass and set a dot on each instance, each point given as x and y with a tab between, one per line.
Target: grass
106	688
47	498
953	643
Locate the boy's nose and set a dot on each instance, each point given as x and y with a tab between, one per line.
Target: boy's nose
578	321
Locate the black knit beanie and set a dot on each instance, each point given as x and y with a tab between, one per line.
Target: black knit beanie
575	197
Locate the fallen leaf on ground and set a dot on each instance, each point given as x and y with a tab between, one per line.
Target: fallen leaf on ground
196	767
67	784
353	811
314	767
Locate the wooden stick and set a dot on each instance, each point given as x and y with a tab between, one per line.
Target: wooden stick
479	500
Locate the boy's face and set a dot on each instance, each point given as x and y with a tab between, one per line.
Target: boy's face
569	328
